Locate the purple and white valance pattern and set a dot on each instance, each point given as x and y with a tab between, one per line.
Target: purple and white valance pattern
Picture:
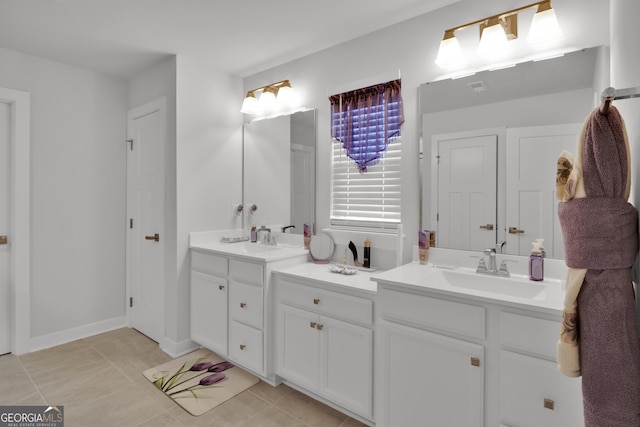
366	120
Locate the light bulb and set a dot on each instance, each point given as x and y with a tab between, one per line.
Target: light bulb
450	53
493	39
544	27
250	104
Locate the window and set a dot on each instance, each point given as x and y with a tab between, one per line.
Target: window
366	157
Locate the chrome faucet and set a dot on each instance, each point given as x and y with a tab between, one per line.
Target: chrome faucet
491	267
500	246
284	229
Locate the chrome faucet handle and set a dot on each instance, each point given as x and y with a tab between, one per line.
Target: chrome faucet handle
504	271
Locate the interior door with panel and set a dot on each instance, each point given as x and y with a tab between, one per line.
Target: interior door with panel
5	225
531	166
466	185
145	217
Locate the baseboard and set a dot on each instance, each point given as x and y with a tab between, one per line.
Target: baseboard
178	348
73	334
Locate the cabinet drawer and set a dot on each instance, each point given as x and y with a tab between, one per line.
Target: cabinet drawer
246	304
245	345
444	315
209	263
529	334
248	272
326	302
533	393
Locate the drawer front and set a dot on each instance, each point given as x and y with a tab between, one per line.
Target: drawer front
209	263
248	272
326	302
529	334
245	346
444	315
246	304
533	393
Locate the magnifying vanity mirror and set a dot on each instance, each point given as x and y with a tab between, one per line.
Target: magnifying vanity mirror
279	170
490	144
321	249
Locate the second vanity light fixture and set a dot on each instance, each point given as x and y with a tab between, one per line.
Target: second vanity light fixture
497	30
279	94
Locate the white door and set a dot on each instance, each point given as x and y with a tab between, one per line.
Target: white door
530	187
145	217
5	213
302	186
466	185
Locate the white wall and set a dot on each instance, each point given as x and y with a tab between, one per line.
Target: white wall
78	168
411	47
208	169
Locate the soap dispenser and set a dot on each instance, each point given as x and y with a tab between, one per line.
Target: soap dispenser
536	263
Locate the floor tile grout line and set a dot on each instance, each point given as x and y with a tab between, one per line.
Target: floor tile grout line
26	371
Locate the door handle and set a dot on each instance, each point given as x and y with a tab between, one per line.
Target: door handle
155	237
487	227
3	240
514	230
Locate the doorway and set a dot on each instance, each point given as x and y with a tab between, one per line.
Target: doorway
15	189
145	217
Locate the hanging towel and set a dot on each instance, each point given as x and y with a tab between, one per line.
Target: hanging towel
599	336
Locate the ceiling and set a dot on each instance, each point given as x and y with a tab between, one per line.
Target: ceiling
241	37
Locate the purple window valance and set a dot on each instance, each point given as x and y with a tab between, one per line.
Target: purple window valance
366	120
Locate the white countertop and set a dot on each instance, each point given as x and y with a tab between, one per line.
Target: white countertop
322	273
209	241
415	276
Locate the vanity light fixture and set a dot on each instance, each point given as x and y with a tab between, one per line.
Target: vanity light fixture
271	96
497	30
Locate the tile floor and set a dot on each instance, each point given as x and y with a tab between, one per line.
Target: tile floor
99	382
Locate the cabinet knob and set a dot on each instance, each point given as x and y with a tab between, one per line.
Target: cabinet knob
475	361
549	404
221	287
312	324
243	305
242	346
319	327
316	301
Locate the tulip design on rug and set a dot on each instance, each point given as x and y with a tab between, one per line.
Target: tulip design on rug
200	380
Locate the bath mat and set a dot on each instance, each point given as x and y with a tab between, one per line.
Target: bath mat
200	381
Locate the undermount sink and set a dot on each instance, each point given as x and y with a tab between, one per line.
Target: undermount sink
256	248
495	284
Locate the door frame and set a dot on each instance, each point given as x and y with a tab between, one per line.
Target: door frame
157	105
19	279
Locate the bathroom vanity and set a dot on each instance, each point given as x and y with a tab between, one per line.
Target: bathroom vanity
461	349
230	294
324	335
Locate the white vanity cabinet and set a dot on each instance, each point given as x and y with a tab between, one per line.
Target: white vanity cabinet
230	312
209	290
432	367
324	342
532	391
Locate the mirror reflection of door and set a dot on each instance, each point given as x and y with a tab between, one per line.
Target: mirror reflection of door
466	186
531	157
302	185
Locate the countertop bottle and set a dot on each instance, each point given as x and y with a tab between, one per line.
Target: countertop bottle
254	233
367	254
536	263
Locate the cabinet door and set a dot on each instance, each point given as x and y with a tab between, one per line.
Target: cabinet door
209	311
430	379
298	351
346	366
533	393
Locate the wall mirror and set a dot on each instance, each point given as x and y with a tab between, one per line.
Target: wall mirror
279	170
490	143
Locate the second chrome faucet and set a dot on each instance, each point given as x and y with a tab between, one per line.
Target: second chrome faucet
490	266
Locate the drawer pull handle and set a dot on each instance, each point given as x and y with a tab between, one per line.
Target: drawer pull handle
242	346
316	301
221	287
549	404
243	305
319	327
312	324
475	361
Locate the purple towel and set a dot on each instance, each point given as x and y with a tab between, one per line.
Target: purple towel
601	235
